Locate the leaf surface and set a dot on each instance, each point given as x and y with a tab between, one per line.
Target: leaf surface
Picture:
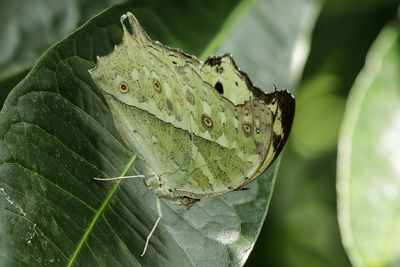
57	133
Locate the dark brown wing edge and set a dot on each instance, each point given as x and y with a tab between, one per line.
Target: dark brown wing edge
287	104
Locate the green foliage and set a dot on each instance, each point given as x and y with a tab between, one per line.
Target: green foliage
301	228
57	133
369	157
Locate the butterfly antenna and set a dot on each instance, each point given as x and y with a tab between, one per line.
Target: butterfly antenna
118	178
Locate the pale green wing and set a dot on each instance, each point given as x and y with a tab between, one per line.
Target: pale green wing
222	73
230	141
136	83
234	85
172	57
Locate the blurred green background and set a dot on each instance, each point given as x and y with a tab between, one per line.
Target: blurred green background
301	227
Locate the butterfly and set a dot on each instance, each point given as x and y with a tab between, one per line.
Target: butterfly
202	128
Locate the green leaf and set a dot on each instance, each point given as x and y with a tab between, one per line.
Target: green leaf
57	134
369	157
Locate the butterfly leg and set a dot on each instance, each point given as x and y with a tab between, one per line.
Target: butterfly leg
154	227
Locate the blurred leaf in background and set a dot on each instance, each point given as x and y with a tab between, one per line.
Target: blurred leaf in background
28	28
57	134
369	158
301	228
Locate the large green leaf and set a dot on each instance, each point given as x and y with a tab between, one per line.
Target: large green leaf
57	134
369	158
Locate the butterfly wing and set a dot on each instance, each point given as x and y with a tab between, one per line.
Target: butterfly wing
145	96
234	85
203	128
282	106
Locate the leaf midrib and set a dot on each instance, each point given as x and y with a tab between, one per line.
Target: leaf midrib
100	211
